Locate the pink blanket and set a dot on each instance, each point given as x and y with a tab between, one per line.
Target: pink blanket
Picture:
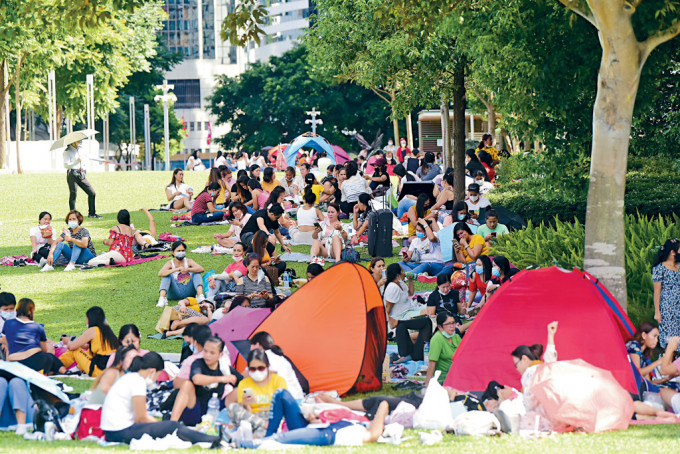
140	260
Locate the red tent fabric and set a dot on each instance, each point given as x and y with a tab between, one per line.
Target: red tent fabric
519	312
334	330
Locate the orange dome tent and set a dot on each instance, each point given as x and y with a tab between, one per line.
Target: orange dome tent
334	330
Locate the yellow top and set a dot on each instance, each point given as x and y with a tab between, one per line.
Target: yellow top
475	241
220	197
97	347
491	150
269	187
411	228
263	394
317	189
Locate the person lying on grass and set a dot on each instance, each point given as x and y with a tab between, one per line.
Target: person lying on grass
190	311
180	277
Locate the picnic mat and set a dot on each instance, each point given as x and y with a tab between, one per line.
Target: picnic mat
137	261
300	257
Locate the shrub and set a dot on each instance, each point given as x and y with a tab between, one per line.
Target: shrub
561	245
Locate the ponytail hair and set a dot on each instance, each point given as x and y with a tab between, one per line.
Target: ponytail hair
151	360
482	145
266	341
665	250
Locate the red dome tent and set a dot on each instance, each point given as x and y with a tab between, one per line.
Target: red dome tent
334	330
592	326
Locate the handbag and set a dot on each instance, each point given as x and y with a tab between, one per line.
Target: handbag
351	255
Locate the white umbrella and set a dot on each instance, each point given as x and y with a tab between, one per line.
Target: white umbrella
75	136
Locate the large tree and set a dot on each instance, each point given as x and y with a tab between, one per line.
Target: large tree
266	105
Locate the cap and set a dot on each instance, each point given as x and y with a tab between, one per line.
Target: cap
474	187
380	162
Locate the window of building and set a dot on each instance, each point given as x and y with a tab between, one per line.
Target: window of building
207	126
188	92
198	126
191	126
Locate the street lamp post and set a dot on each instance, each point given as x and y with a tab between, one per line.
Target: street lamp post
166	98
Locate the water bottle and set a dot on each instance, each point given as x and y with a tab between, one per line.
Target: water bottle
213	408
286	279
426	353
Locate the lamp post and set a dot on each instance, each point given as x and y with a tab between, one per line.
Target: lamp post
166	98
314	121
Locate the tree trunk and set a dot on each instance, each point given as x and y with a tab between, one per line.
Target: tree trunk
395	123
59	116
459	132
505	140
617	87
3	126
446	136
491	113
409	131
17	103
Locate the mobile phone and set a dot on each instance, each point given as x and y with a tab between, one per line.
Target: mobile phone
493	234
317	225
248	392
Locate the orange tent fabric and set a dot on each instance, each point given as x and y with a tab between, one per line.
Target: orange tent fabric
334	330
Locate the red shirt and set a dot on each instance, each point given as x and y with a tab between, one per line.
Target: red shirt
491	172
477	284
201	203
402	153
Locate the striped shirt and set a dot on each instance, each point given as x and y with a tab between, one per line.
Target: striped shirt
352	188
249	286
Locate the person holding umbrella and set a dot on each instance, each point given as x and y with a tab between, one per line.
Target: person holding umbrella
75	173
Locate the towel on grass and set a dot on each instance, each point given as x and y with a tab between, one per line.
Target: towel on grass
137	261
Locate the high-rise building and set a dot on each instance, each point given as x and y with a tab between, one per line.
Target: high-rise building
193	29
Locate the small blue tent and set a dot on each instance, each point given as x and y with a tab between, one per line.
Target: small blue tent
307	140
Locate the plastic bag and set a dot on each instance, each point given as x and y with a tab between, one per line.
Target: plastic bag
476	423
434	412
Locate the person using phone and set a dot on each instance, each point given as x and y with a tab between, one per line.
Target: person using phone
492	229
329	237
250	285
255	393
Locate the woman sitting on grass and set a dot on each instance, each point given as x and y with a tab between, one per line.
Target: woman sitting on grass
480	279
362	210
101	341
124	416
25	341
443	345
128	335
424	255
264	248
203	209
119	242
257	288
329	238
239	215
43	236
226	281
255	393
307	216
119	365
377	270
180	277
79	249
178	192
466	246
224	193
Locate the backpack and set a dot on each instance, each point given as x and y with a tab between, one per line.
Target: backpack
351	255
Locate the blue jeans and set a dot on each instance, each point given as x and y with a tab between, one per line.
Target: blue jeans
404	205
431	268
284	405
177	291
304	436
202	218
76	255
19	399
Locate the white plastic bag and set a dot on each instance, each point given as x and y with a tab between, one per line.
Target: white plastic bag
476	423
434	412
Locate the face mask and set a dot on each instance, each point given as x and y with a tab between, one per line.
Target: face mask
461	217
258	375
446	335
496	272
237	258
444	293
43	226
72	224
149	382
474	198
420	235
180	255
480	182
479	270
192	348
8	315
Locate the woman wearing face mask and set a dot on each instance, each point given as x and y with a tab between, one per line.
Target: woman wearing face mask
255	393
443	345
240	216
128	335
666	279
424	255
460	214
377	270
444	298
420	211
43	236
206	378
25	341
479	281
180	277
124	416
475	202
203	210
486	145
501	272
484	186
466	246
226	281
80	248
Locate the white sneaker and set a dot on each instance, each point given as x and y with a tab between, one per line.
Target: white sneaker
200	298
47	268
70	267
162	301
42	262
21	429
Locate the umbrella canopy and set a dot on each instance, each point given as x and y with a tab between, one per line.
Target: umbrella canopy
15	369
237	325
75	136
341	155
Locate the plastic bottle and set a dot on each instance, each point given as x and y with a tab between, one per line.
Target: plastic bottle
213	408
286	279
426	353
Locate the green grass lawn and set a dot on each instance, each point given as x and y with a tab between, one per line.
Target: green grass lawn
129	295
